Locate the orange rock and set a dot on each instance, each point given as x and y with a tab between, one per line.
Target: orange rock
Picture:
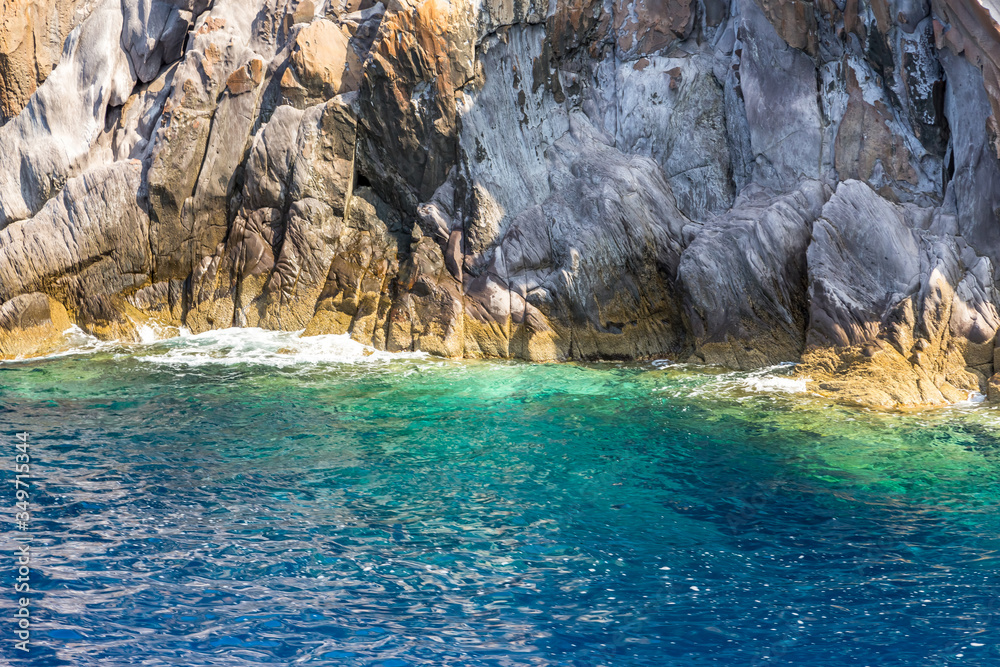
321	56
993	388
32	33
648	26
211	24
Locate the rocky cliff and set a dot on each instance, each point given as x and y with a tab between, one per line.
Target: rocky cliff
738	183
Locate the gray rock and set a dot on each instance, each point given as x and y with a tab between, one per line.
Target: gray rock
775	180
863	259
744	279
50	141
778	87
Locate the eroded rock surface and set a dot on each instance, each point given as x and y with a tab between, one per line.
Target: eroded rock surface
740	183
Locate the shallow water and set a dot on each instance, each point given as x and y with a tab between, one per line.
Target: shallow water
226	499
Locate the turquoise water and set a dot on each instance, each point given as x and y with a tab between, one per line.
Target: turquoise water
242	498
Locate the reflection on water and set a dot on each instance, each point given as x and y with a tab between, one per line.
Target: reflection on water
242	498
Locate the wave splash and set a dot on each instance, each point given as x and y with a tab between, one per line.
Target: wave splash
225	347
698	381
234	346
770	380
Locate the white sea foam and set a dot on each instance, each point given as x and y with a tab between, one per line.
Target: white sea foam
762	381
81	341
770	380
78	341
228	347
975	398
151	332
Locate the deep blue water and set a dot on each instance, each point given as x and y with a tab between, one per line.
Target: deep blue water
227	500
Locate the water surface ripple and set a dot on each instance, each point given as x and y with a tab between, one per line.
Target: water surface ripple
250	498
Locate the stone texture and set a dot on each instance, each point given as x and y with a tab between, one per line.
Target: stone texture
673	111
31	325
32	33
85	248
649	26
744	279
740	184
913	311
320	59
866	143
50	140
777	84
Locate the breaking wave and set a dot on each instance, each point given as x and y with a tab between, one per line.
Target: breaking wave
234	346
692	380
227	347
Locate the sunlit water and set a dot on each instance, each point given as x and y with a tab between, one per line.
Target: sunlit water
242	498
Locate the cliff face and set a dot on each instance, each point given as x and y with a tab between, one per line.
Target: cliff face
738	183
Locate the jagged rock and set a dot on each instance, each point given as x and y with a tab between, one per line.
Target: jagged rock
973	192
744	279
246	78
201	138
88	248
905	305
649	26
154	31
559	257
356	295
49	142
924	85
971	29
298	180
863	259
673	111
744	184
866	143
408	110
95	232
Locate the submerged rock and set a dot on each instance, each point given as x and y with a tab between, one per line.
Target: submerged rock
739	184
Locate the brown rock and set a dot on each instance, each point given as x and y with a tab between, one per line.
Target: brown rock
407	99
358	292
881	378
246	78
304	12
865	139
795	21
31	325
993	388
211	24
649	26
973	32
574	23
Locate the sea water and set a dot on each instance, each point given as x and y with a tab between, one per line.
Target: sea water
245	497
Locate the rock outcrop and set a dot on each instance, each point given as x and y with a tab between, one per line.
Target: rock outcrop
740	183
